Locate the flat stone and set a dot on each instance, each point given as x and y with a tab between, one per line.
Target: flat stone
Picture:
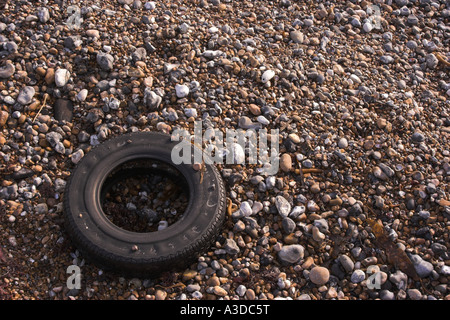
219	291
4	115
63	110
246	209
387	295
49	76
254	109
23	173
288	225
414	294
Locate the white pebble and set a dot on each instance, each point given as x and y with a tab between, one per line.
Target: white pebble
367	27
263	120
257	207
76	156
190	112
283	206
213	30
241	290
181	90
238	153
162	225
296	211
267	75
151	5
81	96
246	209
61	77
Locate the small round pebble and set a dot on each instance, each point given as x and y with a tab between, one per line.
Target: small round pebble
319	275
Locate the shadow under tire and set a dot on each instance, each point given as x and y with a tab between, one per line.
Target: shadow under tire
133	253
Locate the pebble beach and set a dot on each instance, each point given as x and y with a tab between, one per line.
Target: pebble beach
360	94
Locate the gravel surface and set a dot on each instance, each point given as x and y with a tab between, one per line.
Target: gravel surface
361	101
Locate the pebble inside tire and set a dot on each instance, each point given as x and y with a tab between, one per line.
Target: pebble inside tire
132	253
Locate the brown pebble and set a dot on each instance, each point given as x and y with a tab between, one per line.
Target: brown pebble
160	295
41	71
50	76
213	281
286	162
219	291
319	275
254	109
250	294
3	117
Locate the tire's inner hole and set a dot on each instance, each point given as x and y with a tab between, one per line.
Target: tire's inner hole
144	195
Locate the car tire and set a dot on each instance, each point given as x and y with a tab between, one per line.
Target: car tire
132	253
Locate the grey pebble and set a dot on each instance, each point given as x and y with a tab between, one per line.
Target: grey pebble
231	247
283	206
386	59
399	279
346	262
77	156
423	267
357	276
297	36
151	99
53	138
26	95
105	61
414	294
7	70
288	225
431	60
387	295
43	14
291	254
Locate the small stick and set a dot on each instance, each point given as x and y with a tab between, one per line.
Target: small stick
230	207
312	170
172	286
442	60
40	109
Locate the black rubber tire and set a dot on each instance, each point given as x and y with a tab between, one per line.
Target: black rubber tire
133	253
